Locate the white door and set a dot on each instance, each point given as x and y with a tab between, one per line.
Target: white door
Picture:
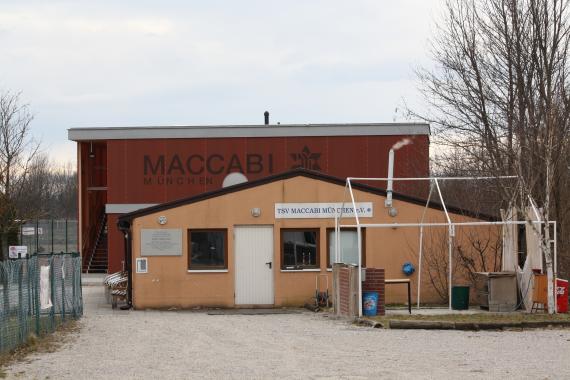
254	265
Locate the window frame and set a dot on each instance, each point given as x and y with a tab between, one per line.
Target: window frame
332	229
317	249
192	267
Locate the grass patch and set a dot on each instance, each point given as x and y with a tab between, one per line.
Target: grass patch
48	343
476	318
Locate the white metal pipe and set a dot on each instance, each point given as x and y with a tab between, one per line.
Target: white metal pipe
389	187
353	203
359	248
555	268
336	229
442	201
359	239
451	233
438	224
420	264
555	247
421	245
427	178
450	249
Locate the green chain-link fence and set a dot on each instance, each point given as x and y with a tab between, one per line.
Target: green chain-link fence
37	294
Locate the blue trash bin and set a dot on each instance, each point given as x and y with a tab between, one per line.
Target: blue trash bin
370	304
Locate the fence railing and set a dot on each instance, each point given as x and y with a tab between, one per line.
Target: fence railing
49	235
37	294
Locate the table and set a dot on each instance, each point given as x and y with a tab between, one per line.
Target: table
403	281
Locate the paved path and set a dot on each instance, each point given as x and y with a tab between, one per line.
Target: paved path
179	345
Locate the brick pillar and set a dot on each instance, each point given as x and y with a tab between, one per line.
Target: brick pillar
375	283
344	291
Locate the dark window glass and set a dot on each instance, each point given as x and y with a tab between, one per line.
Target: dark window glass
207	249
300	249
522	244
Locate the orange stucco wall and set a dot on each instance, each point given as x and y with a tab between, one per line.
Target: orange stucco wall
168	282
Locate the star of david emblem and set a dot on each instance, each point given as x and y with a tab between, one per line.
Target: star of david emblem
306	159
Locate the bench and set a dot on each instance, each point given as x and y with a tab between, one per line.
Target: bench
116	284
403	281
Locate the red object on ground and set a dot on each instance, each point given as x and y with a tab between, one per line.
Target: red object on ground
562	295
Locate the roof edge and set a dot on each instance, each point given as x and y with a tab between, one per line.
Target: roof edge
254	130
291	174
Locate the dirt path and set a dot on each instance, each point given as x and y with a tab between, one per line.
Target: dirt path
179	345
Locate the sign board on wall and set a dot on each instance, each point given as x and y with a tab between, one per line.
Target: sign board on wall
161	242
321	210
27	231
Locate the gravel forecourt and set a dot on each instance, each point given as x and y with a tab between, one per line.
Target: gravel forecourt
115	344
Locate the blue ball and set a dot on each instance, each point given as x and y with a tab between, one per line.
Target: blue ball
408	269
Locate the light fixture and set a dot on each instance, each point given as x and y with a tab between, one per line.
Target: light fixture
162	220
255	212
91	152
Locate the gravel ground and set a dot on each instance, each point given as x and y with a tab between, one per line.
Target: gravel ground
179	345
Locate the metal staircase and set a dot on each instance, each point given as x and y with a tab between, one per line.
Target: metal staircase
99	260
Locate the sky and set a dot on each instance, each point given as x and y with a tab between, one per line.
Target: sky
144	63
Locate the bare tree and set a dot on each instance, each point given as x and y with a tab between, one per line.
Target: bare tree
17	152
499	98
436	262
480	253
51	191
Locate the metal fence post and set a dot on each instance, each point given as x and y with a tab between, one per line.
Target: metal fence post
66	238
37	293
37	236
52	235
21	332
73	291
2	319
63	287
29	285
52	286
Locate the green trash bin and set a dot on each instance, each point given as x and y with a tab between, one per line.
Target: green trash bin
460	297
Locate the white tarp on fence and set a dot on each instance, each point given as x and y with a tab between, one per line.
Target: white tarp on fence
533	259
45	289
510	241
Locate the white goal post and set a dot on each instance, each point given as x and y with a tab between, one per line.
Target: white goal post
450	224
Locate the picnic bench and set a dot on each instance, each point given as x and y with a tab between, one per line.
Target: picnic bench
116	284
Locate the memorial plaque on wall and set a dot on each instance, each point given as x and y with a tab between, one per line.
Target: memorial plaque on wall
161	242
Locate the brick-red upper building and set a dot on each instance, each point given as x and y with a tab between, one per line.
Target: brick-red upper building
123	169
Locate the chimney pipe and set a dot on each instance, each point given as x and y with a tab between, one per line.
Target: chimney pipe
266	114
389	189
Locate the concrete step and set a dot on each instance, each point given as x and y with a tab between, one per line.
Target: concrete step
92	279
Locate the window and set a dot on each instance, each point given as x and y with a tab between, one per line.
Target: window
299	249
348	246
207	249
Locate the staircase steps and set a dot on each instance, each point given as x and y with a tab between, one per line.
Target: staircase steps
99	261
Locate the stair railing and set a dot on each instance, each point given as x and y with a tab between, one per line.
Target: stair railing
100	230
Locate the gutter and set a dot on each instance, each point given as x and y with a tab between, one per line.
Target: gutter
125	228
